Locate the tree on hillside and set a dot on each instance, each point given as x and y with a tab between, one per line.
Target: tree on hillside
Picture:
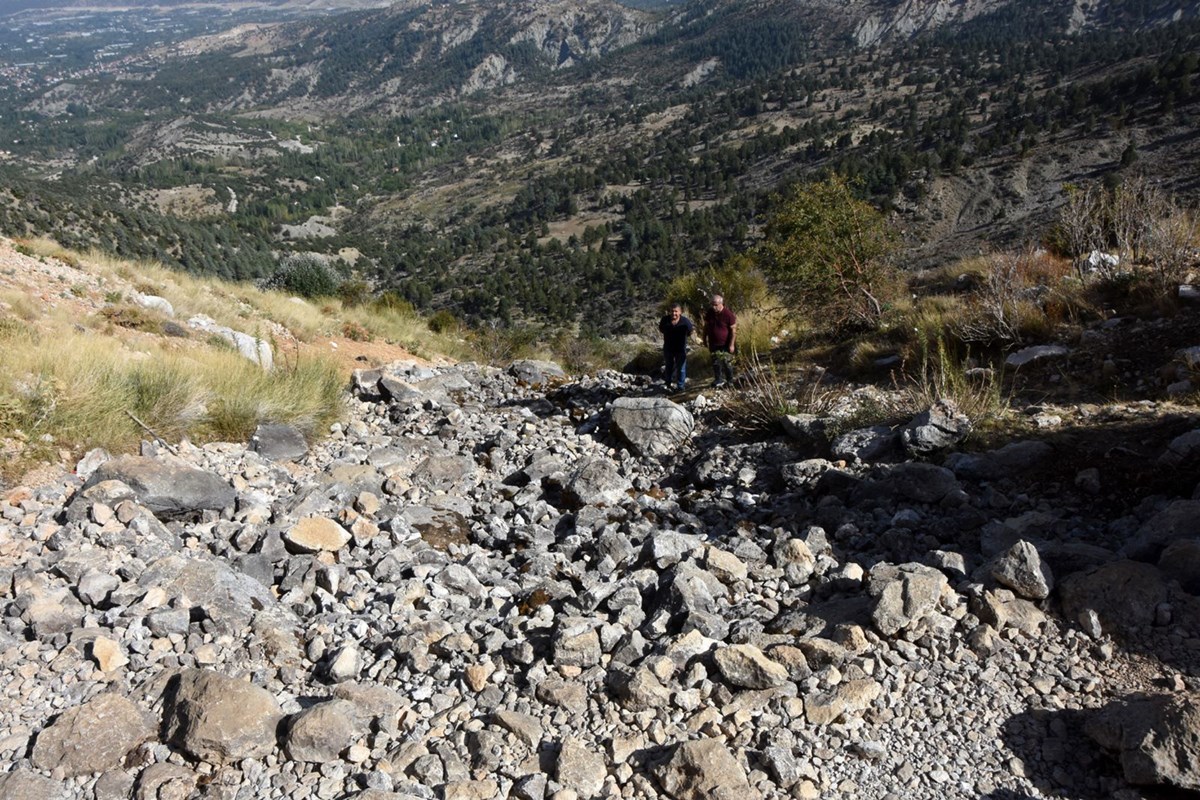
826	252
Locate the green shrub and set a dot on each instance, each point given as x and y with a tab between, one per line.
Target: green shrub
305	274
443	321
826	253
737	280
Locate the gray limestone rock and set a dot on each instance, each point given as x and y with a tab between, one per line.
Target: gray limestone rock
1180	561
167	489
229	599
651	426
278	442
1157	739
704	769
745	666
596	482
320	733
576	642
580	769
24	784
1021	569
163	781
1179	520
536	373
878	443
220	719
918	482
1029	355
903	594
1183	449
92	737
1011	459
807	429
940	427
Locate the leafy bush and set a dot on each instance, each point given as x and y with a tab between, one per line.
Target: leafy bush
305	274
354	292
738	280
444	322
826	252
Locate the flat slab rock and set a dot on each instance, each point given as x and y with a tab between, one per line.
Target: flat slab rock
167	489
652	426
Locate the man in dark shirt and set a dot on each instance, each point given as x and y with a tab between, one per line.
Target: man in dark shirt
720	335
676	332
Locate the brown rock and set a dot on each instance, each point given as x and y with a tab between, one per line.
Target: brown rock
315	534
93	737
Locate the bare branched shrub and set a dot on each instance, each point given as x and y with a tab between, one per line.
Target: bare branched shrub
1021	296
1080	228
1132	211
1171	244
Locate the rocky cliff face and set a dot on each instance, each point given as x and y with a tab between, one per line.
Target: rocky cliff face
917	16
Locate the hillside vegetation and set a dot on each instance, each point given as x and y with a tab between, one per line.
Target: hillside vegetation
89	361
517	186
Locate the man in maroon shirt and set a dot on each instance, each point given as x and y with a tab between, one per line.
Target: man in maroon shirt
720	335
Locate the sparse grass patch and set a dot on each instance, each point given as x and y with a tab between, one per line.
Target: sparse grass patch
763	397
942	375
133	317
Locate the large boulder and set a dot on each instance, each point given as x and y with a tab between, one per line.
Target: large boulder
167	489
93	737
651	426
940	427
277	442
705	770
220	719
1011	460
1156	738
904	594
1123	595
1179	520
536	373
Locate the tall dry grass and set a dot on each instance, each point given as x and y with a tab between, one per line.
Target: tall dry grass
74	391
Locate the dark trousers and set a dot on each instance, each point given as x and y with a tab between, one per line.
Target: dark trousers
675	367
722	365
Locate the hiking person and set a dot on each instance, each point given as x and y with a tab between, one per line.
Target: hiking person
676	331
720	334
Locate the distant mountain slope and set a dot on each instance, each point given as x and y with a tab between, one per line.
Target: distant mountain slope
321	6
548	159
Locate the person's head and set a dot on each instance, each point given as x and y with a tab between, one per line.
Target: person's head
675	312
718	302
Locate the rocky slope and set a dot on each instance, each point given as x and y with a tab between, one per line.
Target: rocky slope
498	583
